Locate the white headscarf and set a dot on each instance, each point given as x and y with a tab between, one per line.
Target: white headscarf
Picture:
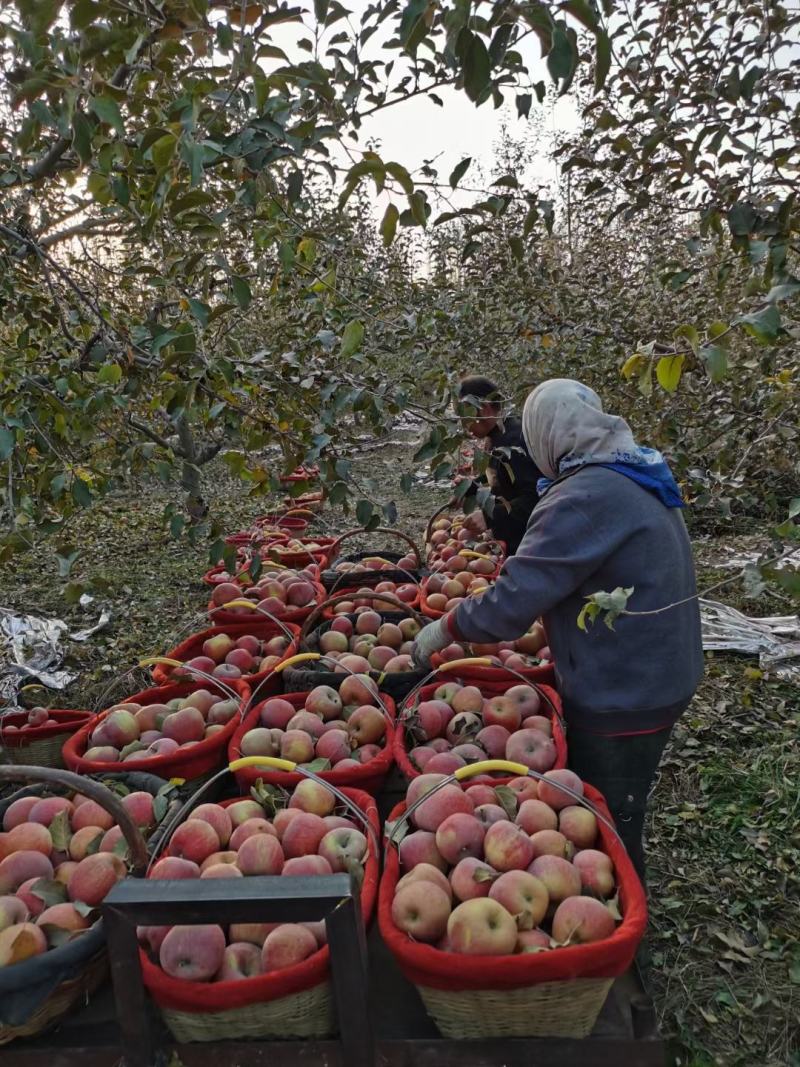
564	426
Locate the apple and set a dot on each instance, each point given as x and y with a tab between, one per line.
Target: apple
419	849
561	879
472	878
502	711
506	847
421	909
531	748
550	843
174	868
578	825
94	877
21	942
344	849
535	815
424	872
523	895
260	854
193	953
313	797
20	867
276	713
581	920
596	871
488	814
194	840
557	798
287	945
481	927
459	836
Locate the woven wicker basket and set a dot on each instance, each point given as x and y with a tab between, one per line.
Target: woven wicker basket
67	996
308	1014
85	957
41	746
552	1009
295	1003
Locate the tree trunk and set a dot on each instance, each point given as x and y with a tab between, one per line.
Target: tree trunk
196	507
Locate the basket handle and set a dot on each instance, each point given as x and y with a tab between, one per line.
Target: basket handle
518	769
95	791
254	607
334	552
390	598
273	763
485	661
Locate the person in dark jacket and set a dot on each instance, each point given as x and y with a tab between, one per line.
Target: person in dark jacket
609	517
511	473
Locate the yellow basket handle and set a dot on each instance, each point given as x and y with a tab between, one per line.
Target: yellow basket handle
456	664
160	661
272	762
486	765
301	657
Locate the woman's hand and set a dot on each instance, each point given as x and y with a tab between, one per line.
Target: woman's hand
475	522
431	638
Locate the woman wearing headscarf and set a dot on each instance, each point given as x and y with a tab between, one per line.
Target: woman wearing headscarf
609	516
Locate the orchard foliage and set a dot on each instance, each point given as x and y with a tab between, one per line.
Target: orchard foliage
201	254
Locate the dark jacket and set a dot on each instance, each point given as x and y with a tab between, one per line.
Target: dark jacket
592	532
515	496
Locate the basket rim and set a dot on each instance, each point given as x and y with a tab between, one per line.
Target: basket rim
445	971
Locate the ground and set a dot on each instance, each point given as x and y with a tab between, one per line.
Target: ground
724	846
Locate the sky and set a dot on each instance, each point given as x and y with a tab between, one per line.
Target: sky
417	129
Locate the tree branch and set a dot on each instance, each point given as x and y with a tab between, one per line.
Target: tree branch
146	431
88	226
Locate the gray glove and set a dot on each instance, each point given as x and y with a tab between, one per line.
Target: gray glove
430	639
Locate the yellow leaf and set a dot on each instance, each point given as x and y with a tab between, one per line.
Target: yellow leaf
668	372
632	365
283	425
547	340
184	304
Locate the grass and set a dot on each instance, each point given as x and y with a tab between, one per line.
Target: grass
724	848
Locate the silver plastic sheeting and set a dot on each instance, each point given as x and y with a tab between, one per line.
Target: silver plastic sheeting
774	639
33	648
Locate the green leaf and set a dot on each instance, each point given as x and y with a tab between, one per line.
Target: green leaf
764	325
517	247
581	10
321	9
294	186
81	493
524	101
602	59
561	58
412	24
459	171
477	67
715	359
109	374
241	291
794	507
783	291
690	333
50	891
8	442
318	765
163	150
364	510
60	831
646	380
200	311
401	176
741	220
389	224
107	110
82	137
668	372
351	338
507	799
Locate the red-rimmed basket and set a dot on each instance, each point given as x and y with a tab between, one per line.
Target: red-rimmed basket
194	762
368	776
246	550
289	521
396	684
300	474
551	706
40	746
312	502
55	983
193	646
300	557
556	993
296	1002
244	614
544	674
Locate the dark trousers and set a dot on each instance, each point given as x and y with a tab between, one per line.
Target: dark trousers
623	769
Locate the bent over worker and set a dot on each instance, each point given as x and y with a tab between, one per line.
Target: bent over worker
609	516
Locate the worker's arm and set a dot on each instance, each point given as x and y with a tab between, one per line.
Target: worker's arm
570	534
